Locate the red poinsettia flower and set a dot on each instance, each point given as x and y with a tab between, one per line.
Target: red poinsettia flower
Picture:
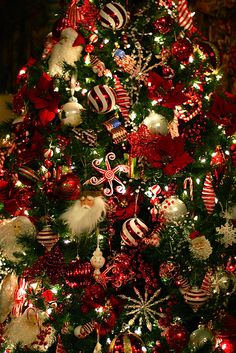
160	151
45	99
163	91
223	111
126	205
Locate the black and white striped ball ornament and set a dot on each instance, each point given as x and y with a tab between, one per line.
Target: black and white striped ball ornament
47	237
113	16
102	99
133	231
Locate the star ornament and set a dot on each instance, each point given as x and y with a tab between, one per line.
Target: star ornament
109	175
144	308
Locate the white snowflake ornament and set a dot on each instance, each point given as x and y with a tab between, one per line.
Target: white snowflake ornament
229	234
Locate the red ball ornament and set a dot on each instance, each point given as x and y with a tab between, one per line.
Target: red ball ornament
133	231
113	16
102	99
89	48
79	274
163	24
182	49
68	187
126	343
58	26
177	337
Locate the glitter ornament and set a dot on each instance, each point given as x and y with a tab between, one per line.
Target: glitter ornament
47	237
79	273
182	49
126	343
156	123
133	231
68	187
89	48
208	194
200	337
163	24
195	297
168	271
102	99
172	209
72	111
113	16
177	337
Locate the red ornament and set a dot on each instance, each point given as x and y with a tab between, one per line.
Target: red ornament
68	187
133	231
58	26
89	48
227	343
79	274
60	347
93	38
126	343
27	175
208	194
163	24
195	297
113	16
177	337
47	237
182	49
102	99
4	190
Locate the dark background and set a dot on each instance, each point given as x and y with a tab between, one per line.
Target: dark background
24	25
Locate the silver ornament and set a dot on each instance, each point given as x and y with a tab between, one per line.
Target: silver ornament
173	209
72	110
156	123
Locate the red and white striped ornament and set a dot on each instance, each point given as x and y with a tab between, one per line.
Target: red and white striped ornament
47	237
185	17
113	16
122	98
97	65
83	331
195	297
102	99
207	282
208	194
133	231
60	348
27	175
182	283
93	38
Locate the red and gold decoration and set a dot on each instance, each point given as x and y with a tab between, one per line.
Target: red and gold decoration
200	337
126	343
177	337
115	128
68	187
79	273
84	330
122	98
113	15
182	49
102	99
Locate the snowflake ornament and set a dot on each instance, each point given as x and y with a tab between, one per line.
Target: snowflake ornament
143	308
229	234
109	174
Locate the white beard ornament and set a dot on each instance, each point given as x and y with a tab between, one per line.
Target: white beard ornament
84	215
66	51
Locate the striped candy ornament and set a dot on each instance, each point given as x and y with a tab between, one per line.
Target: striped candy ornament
113	16
208	194
83	331
60	348
195	297
122	98
102	99
207	282
185	17
47	238
27	175
97	65
182	283
133	231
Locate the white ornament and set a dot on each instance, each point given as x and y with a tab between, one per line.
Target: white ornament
113	16
64	52
229	234
72	110
173	209
133	231
97	261
156	123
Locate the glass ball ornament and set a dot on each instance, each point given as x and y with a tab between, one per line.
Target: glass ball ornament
156	123
127	342
182	49
72	111
172	209
200	337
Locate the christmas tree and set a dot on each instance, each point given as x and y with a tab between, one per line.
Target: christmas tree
117	188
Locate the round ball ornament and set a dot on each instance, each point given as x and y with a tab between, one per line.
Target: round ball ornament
102	99
200	337
68	187
133	231
163	24
177	337
47	237
113	15
28	176
195	297
182	49
126	343
173	209
79	273
72	111
156	123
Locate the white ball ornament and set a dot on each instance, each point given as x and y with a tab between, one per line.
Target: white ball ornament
72	111
133	231
113	16
102	99
156	123
173	209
